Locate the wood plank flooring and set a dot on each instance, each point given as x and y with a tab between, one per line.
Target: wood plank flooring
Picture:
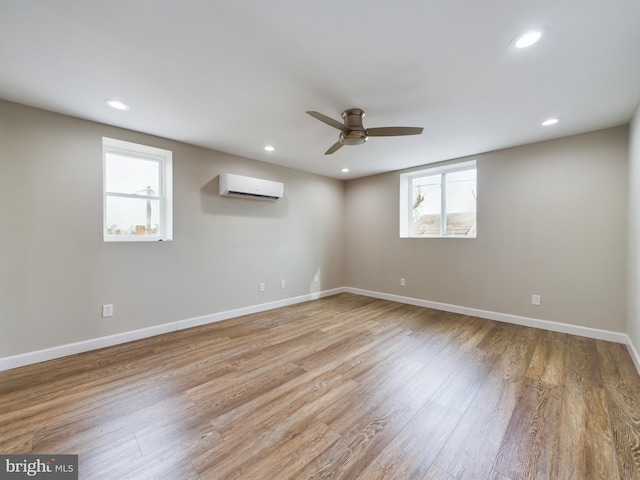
345	387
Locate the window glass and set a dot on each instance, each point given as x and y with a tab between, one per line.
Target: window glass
461	202
126	174
439	201
133	216
137	192
427	205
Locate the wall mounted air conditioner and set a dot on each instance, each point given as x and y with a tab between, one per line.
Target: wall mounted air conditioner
232	185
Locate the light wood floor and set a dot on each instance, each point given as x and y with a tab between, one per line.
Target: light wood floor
346	387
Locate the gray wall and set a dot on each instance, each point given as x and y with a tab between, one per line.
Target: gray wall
633	292
552	220
56	271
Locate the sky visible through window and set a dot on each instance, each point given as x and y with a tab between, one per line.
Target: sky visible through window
132	176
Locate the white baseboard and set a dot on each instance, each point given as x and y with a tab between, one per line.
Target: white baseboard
29	358
38	356
634	353
262	307
589	332
617	337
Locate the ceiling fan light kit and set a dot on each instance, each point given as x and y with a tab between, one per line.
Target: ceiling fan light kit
352	131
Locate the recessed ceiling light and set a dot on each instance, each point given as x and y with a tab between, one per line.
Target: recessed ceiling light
117	104
526	39
344	170
550	121
269	148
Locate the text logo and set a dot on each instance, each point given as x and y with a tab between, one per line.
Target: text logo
45	467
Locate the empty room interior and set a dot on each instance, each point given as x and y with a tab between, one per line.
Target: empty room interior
347	240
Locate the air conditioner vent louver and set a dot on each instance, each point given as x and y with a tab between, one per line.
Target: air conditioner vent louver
250	195
239	186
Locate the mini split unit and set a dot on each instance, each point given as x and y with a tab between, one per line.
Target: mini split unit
232	185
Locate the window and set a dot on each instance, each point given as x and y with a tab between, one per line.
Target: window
439	202
137	192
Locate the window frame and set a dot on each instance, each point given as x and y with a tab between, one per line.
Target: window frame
165	185
406	198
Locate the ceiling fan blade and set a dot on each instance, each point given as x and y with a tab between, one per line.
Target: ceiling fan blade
333	148
328	120
393	131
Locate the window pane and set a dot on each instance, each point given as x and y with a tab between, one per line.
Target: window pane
132	216
131	175
426	196
461	203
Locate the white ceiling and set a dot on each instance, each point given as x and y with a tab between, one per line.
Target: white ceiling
236	76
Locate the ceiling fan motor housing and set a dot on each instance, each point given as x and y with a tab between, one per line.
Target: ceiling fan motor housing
354	132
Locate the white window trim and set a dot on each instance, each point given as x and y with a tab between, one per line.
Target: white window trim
165	197
406	200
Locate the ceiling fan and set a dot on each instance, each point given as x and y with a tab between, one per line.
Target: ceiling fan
352	132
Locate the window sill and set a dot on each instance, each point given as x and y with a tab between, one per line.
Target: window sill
133	239
440	236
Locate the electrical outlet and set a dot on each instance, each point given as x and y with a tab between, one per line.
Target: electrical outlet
283	284
402	282
535	299
107	310
262	287
315	278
